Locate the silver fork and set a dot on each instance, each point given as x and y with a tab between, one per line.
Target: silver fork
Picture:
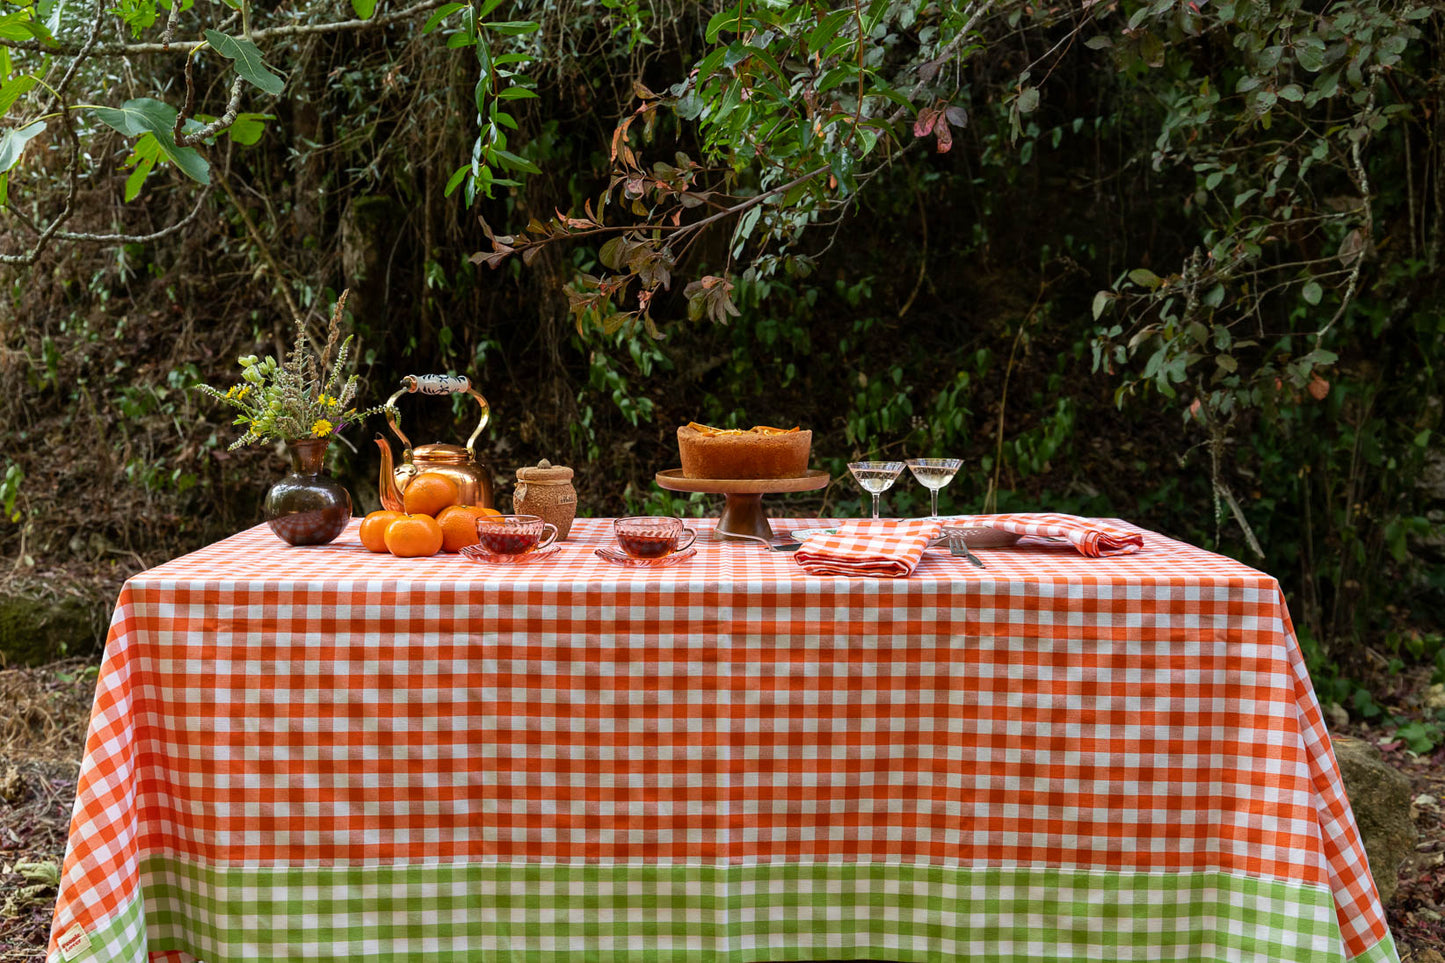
957	547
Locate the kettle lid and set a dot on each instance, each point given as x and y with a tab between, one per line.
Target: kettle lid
440	454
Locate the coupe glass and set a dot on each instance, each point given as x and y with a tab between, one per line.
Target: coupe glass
875	477
933	474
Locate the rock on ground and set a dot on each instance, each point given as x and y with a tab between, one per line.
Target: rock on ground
1380	797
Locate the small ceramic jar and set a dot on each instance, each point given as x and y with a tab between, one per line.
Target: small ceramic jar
546	490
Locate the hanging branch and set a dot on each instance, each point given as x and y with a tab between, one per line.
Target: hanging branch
266	33
72	166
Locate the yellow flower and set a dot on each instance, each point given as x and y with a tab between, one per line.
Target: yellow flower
329	401
322	428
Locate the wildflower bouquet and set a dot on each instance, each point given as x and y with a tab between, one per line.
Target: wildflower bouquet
304	397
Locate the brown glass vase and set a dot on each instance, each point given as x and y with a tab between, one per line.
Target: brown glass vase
307	507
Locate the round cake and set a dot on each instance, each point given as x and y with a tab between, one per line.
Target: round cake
758	453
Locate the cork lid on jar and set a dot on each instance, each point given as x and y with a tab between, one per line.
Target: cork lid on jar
544	474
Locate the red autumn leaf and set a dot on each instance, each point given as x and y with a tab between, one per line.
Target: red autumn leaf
1318	387
923	126
945	135
618	135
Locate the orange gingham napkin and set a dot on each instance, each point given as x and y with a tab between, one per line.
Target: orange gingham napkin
887	548
1089	535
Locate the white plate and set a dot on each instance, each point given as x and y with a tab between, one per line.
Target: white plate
803	534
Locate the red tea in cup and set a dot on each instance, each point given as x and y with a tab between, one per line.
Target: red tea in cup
645	536
647	546
514	534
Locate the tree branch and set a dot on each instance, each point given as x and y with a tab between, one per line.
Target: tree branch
72	167
949	49
267	33
233	107
137	238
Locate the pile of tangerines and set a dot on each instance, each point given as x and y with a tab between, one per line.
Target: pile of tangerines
431	522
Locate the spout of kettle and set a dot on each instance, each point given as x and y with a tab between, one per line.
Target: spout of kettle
386	484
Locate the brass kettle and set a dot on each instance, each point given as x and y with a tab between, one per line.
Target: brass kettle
457	463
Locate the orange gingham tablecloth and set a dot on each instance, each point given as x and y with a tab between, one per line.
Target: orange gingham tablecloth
328	754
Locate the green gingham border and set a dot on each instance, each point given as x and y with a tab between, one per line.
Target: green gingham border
529	913
123	937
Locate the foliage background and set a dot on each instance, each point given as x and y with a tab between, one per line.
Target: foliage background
1132	192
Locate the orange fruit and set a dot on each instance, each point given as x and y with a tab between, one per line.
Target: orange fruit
373	529
429	493
413	536
459	526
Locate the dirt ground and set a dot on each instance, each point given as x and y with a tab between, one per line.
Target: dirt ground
42	735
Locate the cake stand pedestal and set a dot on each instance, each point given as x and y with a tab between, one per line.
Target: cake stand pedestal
742	512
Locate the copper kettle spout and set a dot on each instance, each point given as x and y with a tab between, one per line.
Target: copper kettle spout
386	485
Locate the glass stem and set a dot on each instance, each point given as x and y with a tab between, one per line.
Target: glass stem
934	493
875	505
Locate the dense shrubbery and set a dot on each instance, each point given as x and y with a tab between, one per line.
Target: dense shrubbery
1176	265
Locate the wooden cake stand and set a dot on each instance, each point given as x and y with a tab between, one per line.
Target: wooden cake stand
742	513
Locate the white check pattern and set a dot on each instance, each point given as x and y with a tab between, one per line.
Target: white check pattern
882	548
897	767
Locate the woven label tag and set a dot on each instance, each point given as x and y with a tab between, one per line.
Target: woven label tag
74	942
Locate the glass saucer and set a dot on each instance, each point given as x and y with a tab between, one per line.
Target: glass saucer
622	558
476	553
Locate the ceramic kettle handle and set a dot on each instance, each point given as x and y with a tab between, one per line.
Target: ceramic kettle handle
437	384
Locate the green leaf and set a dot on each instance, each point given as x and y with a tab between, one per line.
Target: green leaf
1421	737
144	115
249	63
726	19
13	89
1102	300
827	29
1028	101
13	141
1145	278
613	253
456	179
248	128
516	163
440	14
1312	292
19	26
516	93
364	8
138	176
513	28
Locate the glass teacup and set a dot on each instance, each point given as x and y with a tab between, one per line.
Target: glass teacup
514	534
651	536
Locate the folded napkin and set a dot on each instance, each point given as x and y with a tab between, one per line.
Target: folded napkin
1089	535
887	548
